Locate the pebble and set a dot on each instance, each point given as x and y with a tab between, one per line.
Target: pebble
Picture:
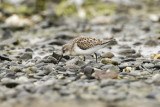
127	52
151	43
108	55
10	84
26	56
22	79
108	82
28	50
88	71
111	73
7	34
49	59
156	79
15	69
148	65
108	61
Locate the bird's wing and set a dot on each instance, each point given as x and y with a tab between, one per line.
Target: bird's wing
87	42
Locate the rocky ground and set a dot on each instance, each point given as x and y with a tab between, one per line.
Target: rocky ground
127	73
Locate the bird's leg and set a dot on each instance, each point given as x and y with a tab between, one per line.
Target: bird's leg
84	58
96	56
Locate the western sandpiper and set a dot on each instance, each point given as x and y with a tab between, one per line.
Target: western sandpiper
83	46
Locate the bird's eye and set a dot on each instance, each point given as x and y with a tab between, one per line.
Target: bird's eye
63	51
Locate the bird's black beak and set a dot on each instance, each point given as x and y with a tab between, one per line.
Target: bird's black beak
60	58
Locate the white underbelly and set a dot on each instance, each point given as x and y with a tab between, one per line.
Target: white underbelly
79	51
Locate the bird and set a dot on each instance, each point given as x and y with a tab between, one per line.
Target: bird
84	45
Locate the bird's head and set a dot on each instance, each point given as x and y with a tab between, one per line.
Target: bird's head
65	51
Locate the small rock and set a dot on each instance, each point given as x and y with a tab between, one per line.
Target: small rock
42	89
127	52
7	34
15	20
108	55
128	59
88	71
26	56
72	63
117	29
60	76
137	43
57	42
105	67
66	92
15	69
154	17
108	82
128	69
55	55
93	88
148	65
46	70
10	74
28	50
22	79
111	73
64	36
4	58
108	61
49	59
10	84
151	43
156	61
156	79
157	66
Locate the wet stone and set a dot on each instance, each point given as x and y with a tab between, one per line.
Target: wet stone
151	43
111	73
137	43
157	66
26	56
105	67
28	50
58	42
128	59
108	61
10	74
4	58
69	73
88	71
117	29
49	59
10	84
15	68
108	82
7	34
156	61
148	65
65	36
156	79
108	55
55	55
127	52
60	68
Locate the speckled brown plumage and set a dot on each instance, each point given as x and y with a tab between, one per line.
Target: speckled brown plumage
87	42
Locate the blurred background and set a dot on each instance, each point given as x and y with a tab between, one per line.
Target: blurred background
56	12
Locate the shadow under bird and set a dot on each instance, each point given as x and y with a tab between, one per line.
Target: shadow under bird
84	46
